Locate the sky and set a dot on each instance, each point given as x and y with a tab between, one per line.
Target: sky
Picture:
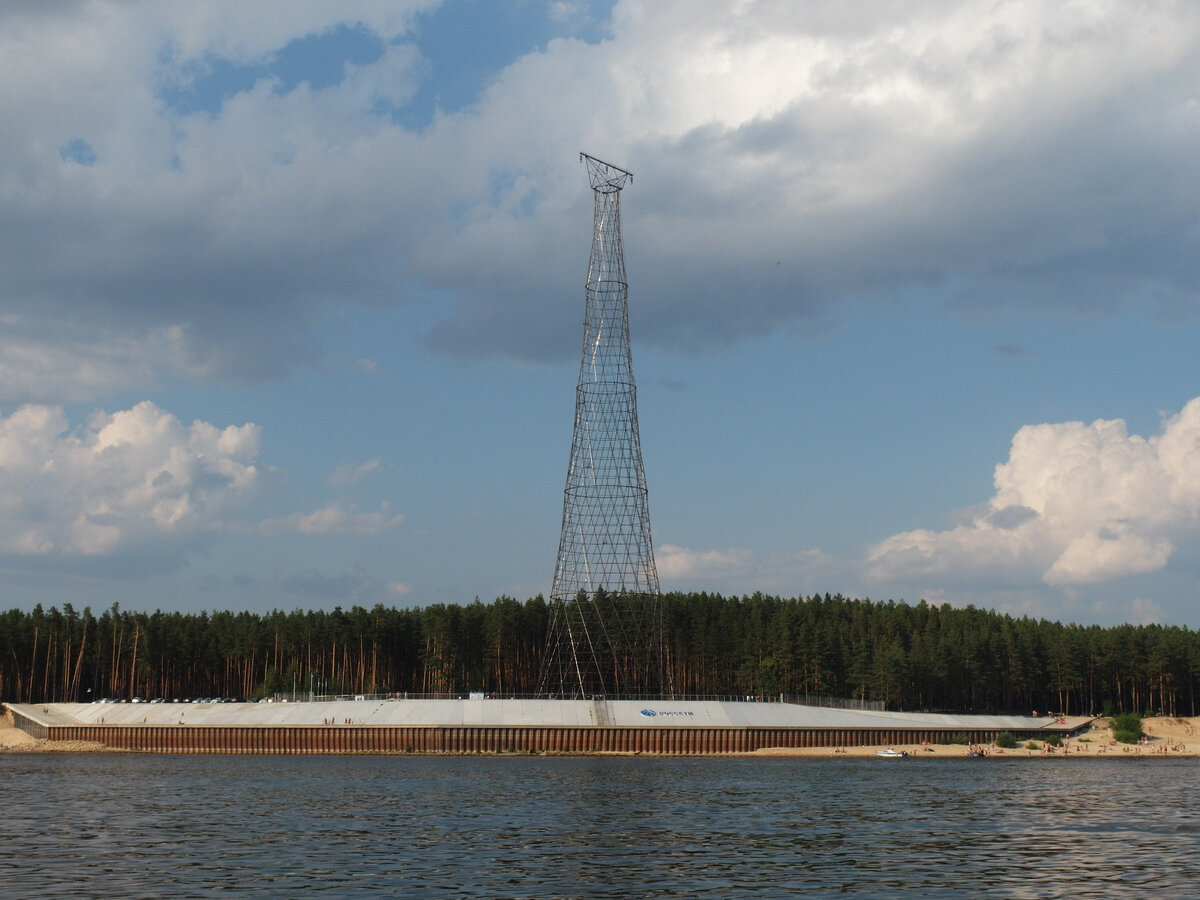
291	298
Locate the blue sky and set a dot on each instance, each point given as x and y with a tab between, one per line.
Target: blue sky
292	298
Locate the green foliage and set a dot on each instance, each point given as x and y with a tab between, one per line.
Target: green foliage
1054	741
1005	740
1127	728
908	657
1033	745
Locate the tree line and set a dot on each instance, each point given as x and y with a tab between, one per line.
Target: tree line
908	657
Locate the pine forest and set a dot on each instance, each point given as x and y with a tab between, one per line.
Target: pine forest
904	657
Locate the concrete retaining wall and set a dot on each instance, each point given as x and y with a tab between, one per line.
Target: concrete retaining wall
467	739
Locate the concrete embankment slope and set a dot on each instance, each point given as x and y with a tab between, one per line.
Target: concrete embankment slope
497	726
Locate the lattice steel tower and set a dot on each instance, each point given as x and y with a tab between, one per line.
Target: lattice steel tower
605	635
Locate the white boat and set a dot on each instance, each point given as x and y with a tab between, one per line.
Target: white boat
889	753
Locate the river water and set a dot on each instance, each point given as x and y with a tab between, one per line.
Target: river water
125	825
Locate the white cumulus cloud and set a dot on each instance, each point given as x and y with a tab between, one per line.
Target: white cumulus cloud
1074	504
124	480
680	563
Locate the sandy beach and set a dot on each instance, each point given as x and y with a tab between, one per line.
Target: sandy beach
14	740
1164	737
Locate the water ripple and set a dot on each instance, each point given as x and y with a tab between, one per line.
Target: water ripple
147	826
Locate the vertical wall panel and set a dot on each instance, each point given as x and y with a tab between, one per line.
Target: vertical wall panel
473	739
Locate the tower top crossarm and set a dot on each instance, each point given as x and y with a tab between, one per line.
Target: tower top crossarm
605	177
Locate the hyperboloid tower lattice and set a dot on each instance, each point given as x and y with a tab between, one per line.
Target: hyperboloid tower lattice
605	635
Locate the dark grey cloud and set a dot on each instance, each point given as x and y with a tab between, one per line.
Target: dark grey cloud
1000	157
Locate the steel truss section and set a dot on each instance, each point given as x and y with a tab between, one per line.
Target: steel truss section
605	634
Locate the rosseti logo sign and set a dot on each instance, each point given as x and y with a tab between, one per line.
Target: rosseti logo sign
674	713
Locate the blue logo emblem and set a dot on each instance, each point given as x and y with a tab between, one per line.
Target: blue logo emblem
649	713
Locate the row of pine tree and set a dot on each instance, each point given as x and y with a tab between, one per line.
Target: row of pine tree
907	657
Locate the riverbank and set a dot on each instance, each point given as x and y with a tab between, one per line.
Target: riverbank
17	741
1165	736
479	724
